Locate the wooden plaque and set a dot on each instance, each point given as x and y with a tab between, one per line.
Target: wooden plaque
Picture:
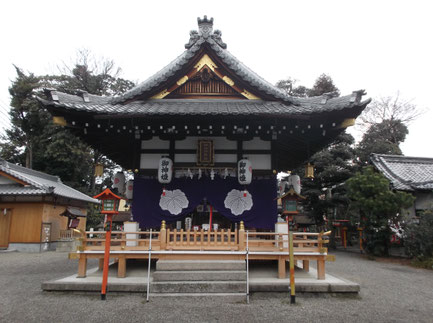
205	153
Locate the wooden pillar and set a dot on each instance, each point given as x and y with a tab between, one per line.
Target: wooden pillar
101	264
306	265
281	267
321	268
121	267
360	240
163	236
82	266
345	237
242	245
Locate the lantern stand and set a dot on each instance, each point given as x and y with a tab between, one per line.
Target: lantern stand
110	206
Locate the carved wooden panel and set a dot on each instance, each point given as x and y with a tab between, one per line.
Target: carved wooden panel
205	83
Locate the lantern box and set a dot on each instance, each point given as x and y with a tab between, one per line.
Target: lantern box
289	202
110	201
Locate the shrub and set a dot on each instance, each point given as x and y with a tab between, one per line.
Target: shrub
418	238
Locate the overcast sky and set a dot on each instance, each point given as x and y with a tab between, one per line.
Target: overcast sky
380	46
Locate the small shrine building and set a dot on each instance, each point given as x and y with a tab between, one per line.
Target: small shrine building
206	111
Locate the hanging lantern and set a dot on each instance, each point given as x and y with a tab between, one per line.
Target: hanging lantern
165	170
245	172
119	182
99	170
129	189
309	171
295	181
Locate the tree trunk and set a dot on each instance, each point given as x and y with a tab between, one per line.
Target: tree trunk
29	156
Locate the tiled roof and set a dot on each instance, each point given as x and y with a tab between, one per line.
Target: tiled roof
39	184
405	173
197	41
137	102
209	107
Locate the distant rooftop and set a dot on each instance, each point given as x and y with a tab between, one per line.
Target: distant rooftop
405	173
38	184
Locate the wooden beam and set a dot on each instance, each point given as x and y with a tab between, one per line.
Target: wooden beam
13	178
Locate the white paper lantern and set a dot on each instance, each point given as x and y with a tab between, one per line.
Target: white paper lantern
245	172
129	189
165	170
295	181
119	182
282	187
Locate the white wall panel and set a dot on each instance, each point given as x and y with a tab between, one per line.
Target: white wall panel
226	158
155	143
150	161
260	161
185	158
219	143
257	143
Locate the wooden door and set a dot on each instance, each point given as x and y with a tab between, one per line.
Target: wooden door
5	223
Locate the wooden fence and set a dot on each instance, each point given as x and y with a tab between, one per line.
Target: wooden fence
201	244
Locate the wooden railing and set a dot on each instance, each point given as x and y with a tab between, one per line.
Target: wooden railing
167	239
95	240
69	234
202	240
184	244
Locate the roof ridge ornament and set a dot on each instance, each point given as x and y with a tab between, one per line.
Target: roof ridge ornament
357	96
205	26
205	31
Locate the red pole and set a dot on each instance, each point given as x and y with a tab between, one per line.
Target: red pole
210	218
106	257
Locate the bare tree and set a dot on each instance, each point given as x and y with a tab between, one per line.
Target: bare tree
390	108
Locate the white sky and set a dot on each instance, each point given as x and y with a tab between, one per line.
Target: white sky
381	46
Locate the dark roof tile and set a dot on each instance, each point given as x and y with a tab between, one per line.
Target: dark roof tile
405	173
40	184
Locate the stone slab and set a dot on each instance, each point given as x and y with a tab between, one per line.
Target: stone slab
184	265
193	275
199	287
263	278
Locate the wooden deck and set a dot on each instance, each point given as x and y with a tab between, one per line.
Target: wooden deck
196	245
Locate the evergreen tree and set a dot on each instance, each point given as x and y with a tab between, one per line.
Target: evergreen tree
382	138
323	84
34	141
333	165
28	120
378	207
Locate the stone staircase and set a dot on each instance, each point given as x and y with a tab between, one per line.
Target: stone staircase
199	278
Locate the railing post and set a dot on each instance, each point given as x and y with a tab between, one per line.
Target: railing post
241	236
292	269
163	236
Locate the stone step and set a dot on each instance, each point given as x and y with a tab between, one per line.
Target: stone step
198	287
196	265
228	297
192	275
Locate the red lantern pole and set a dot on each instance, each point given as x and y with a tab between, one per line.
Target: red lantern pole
106	257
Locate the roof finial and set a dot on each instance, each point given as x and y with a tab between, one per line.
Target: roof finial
205	26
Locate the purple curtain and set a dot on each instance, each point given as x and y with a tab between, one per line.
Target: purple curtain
257	207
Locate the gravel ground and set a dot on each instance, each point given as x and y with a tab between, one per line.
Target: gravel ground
389	293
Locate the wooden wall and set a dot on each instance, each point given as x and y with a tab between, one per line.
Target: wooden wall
27	218
25	224
51	215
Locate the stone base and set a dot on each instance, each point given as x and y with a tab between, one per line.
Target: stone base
33	247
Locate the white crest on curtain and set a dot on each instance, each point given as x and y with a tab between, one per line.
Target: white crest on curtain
173	201
238	201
